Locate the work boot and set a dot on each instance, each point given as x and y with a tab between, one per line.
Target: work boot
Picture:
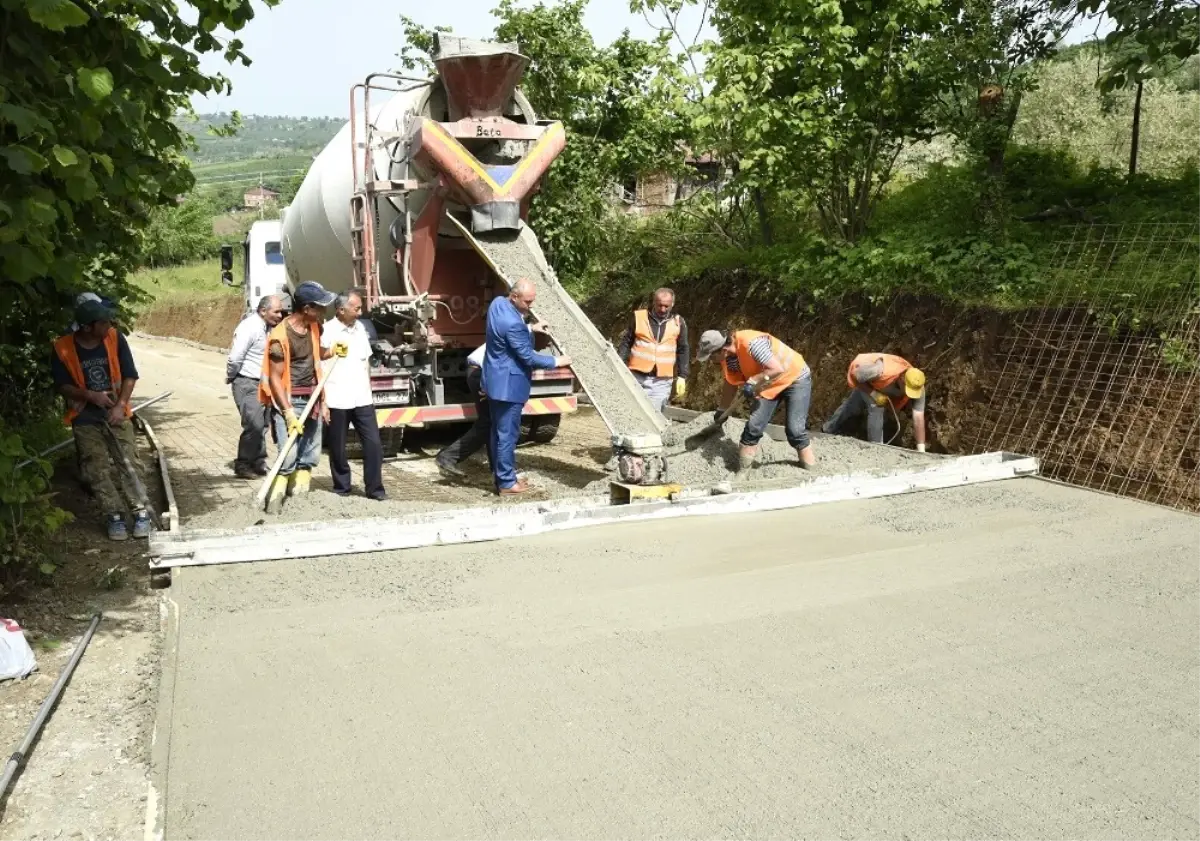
746	458
245	471
114	524
449	469
807	458
301	482
141	524
279	489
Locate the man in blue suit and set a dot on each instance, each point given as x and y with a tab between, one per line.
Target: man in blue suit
508	366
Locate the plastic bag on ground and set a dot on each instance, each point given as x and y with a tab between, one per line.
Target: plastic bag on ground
16	657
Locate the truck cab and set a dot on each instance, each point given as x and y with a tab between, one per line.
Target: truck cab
262	260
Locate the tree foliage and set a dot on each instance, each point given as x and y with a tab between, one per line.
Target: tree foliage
1146	35
820	97
88	148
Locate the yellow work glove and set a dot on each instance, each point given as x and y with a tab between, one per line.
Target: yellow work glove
294	427
340	349
880	399
680	388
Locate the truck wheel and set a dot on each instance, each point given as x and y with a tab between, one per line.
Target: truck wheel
540	430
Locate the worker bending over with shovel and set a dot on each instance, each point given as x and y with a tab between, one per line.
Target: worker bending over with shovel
293	350
766	371
93	369
877	380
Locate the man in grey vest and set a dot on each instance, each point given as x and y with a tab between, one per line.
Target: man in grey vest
243	369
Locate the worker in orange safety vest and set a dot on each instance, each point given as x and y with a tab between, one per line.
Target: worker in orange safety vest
878	380
93	369
766	371
655	347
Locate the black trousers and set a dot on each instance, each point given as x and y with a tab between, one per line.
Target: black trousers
479	435
363	418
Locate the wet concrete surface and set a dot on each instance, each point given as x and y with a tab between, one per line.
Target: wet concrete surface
1017	659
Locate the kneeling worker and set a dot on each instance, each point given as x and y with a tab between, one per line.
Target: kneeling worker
655	347
767	371
879	379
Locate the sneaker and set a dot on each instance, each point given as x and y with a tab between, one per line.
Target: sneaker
141	524
114	524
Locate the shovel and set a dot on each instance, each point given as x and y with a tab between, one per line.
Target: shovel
697	438
291	441
143	498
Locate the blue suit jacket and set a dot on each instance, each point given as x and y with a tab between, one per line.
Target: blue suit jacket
510	360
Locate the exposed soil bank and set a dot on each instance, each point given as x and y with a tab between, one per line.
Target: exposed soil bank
1085	416
208	320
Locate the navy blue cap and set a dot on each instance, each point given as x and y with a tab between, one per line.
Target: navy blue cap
311	292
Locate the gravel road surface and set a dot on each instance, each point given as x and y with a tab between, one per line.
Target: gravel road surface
1008	660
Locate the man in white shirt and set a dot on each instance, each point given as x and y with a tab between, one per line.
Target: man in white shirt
243	369
348	398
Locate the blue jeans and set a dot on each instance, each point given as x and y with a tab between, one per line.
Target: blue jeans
307	451
797	396
852	408
506	429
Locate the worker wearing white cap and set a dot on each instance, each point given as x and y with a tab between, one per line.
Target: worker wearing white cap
877	380
767	371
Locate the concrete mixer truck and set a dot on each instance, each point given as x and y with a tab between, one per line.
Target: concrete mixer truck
383	208
421	203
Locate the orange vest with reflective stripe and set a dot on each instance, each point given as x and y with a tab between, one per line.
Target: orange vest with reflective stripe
279	334
893	369
792	362
64	346
651	357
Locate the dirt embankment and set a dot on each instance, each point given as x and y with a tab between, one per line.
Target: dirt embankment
207	320
1097	405
951	345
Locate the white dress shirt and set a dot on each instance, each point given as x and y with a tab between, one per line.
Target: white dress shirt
246	351
349	386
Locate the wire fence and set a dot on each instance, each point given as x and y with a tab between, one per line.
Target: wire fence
1102	383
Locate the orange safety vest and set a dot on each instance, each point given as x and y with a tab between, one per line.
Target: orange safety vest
792	362
893	369
651	357
279	334
67	352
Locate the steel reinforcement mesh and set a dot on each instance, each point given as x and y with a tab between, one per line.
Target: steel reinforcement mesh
1102	383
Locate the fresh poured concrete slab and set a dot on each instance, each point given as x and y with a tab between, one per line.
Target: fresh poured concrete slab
1016	659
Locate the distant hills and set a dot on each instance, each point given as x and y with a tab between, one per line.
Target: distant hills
260	137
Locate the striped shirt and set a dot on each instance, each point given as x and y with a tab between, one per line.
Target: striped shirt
760	349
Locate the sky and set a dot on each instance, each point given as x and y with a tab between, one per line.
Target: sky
308	53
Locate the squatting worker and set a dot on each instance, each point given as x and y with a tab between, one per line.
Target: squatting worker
655	347
767	371
243	369
348	398
479	434
509	361
93	369
877	379
293	349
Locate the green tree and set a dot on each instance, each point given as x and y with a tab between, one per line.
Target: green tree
88	147
820	97
990	51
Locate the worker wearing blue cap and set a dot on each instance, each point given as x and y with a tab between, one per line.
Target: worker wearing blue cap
290	363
